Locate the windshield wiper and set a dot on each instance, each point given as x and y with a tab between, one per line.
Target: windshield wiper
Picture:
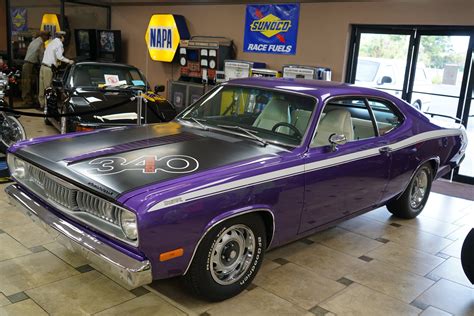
246	131
198	122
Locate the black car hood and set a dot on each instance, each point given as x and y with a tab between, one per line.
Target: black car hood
103	102
115	161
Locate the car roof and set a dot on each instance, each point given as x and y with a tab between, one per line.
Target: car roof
315	88
103	64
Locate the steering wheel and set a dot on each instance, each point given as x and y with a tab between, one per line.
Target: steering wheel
296	131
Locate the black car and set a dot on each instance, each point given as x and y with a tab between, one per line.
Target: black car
88	87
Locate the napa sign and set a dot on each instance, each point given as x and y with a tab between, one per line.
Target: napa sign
163	35
271	28
50	23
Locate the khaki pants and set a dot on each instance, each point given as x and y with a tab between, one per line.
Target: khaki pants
29	83
45	79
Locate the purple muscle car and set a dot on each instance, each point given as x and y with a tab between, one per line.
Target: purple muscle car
252	165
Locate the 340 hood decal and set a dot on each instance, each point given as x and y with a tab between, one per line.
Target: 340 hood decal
149	164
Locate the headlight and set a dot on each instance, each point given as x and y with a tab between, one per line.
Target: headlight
128	222
17	167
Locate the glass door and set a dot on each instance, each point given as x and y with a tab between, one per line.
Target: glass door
439	73
430	67
466	170
442	67
381	61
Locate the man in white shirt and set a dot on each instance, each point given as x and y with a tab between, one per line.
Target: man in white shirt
52	55
30	70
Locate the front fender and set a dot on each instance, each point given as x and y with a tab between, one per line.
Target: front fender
235	213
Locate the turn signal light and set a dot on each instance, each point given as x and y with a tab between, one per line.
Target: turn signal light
165	256
80	128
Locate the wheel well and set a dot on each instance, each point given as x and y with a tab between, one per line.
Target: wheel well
269	225
434	166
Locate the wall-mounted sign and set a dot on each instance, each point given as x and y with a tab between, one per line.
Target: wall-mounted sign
271	28
50	22
18	20
163	35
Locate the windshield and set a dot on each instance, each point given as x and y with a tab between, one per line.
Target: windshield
96	76
366	70
270	115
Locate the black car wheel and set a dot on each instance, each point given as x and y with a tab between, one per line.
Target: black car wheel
467	256
413	199
227	258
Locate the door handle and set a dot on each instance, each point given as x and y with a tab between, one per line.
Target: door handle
385	150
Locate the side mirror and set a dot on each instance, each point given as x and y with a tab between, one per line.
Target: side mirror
57	83
386	79
336	140
159	88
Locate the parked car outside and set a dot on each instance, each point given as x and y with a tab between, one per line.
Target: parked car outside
389	75
204	196
86	87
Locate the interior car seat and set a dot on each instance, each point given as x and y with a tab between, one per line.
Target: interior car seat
276	111
300	119
335	121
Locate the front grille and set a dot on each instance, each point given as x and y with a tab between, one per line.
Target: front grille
59	193
97	207
72	199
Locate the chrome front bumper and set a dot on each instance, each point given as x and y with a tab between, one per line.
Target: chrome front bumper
113	263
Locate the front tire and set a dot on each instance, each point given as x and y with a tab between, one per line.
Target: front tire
228	258
413	199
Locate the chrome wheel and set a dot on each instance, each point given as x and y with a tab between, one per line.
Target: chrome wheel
419	188
232	253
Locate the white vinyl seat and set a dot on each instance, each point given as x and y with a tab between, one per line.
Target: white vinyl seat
335	121
276	111
300	119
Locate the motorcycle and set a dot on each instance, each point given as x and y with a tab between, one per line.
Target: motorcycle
11	130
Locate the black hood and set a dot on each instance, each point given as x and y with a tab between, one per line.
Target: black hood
102	101
115	161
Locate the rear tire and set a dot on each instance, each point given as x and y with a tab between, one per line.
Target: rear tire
413	199
228	258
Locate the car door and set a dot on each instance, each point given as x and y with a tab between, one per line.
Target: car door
350	177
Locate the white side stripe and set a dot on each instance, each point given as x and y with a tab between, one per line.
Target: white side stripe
303	168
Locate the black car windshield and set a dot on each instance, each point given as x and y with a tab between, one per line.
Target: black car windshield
270	115
100	75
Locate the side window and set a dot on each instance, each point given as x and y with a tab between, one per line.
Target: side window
386	118
346	116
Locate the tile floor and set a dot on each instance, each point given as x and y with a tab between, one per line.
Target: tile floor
370	265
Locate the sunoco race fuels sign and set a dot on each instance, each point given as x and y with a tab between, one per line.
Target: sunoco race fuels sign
271	28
